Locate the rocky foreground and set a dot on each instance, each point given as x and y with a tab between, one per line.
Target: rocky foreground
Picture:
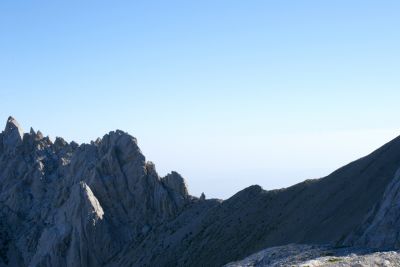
313	256
103	204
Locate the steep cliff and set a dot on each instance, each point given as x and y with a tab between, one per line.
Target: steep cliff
78	205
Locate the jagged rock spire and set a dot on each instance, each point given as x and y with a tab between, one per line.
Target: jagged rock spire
32	131
177	183
13	125
13	133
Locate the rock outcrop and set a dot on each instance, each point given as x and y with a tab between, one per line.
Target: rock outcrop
12	135
381	227
318	256
65	204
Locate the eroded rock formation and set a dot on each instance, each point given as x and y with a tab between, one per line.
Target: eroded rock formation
67	205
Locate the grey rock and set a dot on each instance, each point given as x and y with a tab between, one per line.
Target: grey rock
175	182
103	204
78	205
381	226
12	135
295	255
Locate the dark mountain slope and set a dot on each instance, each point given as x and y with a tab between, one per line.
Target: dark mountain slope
315	211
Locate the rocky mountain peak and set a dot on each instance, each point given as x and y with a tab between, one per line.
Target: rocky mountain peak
66	198
176	182
13	125
11	121
12	134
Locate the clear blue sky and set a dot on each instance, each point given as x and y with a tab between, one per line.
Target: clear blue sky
228	93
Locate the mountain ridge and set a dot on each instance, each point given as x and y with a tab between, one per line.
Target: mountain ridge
103	204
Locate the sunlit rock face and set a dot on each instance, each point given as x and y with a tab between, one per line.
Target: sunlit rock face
63	204
12	135
319	256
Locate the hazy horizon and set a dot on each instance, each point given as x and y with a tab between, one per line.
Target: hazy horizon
227	93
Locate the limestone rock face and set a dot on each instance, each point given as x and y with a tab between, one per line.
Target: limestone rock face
176	183
12	135
318	256
381	226
63	204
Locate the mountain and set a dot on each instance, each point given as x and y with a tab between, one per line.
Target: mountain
68	205
103	204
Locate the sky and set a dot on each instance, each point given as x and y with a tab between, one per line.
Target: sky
228	93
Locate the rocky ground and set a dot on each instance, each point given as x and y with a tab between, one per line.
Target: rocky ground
312	256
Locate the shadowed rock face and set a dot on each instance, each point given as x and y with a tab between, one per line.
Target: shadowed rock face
103	204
